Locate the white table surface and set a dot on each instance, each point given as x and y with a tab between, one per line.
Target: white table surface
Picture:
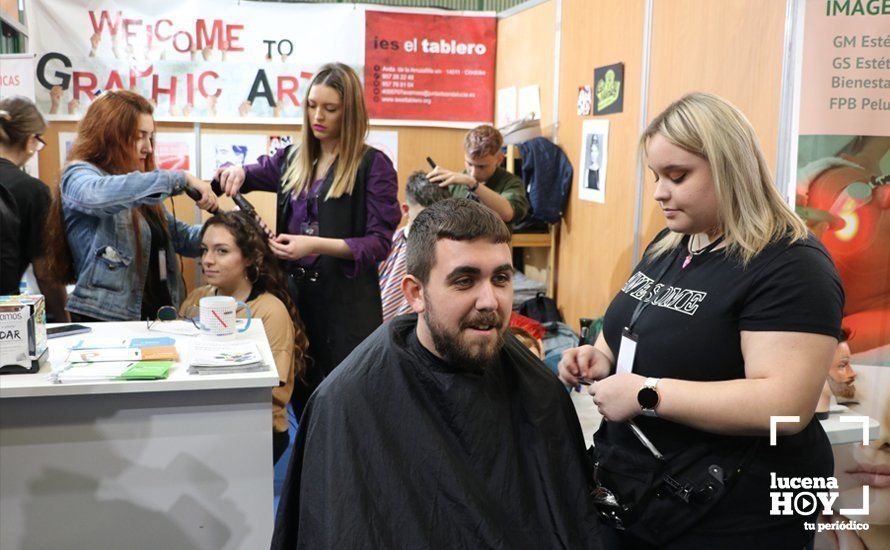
39	384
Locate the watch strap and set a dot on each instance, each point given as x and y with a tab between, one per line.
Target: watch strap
650	384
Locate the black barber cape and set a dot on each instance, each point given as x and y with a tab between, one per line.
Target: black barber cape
397	449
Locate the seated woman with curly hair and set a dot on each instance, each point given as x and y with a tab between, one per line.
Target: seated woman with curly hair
237	262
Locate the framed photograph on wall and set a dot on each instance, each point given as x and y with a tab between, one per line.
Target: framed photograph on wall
594	156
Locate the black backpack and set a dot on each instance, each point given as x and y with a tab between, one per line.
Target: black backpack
540	308
10	243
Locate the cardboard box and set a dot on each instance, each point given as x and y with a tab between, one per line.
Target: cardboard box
23	346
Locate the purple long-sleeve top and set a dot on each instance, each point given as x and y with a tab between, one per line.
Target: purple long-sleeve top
382	203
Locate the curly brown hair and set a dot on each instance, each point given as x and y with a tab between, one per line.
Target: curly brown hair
264	273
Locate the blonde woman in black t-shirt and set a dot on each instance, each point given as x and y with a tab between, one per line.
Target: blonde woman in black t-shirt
734	311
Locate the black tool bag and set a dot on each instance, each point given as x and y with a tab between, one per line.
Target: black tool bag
660	499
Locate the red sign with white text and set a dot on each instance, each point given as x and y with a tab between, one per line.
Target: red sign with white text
431	68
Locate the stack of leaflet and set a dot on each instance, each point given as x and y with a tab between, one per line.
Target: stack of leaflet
225	358
163	345
113	370
103	359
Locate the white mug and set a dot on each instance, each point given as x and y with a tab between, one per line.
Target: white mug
217	318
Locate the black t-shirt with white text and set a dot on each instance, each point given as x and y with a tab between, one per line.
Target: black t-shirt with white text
692	331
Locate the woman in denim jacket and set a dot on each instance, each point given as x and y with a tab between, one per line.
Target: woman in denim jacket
109	229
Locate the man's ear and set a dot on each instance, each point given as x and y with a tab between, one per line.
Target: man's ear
413	291
404	206
819	229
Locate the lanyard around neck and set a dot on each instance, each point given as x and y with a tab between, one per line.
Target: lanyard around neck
644	303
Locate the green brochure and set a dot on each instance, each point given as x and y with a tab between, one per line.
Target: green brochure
147	370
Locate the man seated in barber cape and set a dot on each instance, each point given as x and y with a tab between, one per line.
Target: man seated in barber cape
441	430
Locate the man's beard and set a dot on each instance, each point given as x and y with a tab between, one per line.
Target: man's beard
455	351
842	390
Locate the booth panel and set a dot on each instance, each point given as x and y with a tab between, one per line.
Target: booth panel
525	55
732	48
596	239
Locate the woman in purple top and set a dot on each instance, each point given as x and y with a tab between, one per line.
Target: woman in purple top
337	210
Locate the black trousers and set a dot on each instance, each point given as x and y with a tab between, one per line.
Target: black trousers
338	313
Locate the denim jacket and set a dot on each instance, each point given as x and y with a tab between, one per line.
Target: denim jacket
99	225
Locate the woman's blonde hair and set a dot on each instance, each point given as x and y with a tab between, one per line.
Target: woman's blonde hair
353	129
751	211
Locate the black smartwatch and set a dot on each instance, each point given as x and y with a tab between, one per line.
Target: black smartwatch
473	188
647	397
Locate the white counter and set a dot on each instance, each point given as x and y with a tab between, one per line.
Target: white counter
39	385
184	462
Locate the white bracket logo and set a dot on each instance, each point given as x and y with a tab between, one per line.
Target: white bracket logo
864	420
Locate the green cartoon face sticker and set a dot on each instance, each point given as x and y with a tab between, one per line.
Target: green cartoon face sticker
607	90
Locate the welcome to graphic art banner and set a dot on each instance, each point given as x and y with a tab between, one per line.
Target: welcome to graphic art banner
231	62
